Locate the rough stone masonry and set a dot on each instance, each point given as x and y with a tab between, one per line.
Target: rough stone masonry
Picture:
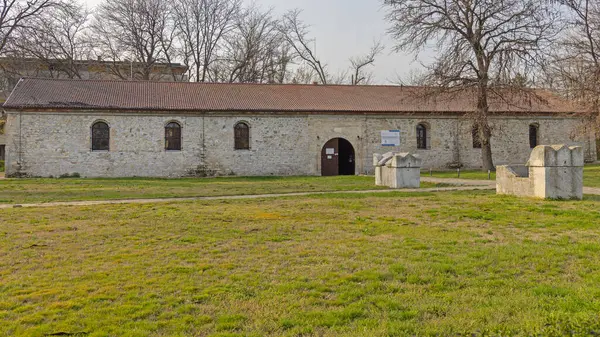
49	129
552	172
397	170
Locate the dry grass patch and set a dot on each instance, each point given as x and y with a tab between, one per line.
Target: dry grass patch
390	264
47	190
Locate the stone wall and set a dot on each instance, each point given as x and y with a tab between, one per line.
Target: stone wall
278	146
53	144
57	144
514	180
552	172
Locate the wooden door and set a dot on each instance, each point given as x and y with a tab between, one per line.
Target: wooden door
330	158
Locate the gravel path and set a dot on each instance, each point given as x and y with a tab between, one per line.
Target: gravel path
591	190
471	187
490	183
456	181
462	185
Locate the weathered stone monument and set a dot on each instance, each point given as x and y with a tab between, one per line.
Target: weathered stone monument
552	172
397	170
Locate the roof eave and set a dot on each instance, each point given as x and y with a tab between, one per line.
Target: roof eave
41	108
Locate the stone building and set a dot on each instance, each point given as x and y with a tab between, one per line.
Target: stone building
13	68
126	128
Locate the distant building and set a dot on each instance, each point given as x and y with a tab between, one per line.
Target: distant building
12	69
101	128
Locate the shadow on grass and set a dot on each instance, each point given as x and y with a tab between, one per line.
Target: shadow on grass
589	197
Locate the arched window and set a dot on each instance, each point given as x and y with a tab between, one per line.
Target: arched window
533	135
476	137
100	137
422	141
173	136
242	136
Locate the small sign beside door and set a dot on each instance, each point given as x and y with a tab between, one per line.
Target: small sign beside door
390	138
329	151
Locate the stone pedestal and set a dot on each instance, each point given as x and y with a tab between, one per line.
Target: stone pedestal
552	172
397	170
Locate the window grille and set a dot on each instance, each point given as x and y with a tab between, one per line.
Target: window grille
100	137
421	136
242	136
533	136
173	137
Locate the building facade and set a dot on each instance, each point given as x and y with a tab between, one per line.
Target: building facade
110	129
12	69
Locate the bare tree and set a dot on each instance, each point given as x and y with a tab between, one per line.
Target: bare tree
359	75
415	77
302	75
295	32
202	27
15	14
57	38
480	44
256	51
576	67
134	31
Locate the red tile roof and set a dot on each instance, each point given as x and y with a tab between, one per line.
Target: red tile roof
37	93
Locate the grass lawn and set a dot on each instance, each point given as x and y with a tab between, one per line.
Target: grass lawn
464	174
392	264
46	190
591	175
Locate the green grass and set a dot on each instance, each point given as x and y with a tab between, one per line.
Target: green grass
464	174
47	190
1	165
389	264
591	175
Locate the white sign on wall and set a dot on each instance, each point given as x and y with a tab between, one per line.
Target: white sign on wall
390	138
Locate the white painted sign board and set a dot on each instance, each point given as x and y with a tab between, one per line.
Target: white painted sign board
390	138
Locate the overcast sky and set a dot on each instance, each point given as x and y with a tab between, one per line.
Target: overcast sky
345	28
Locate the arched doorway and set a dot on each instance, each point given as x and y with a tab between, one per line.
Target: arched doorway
337	158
